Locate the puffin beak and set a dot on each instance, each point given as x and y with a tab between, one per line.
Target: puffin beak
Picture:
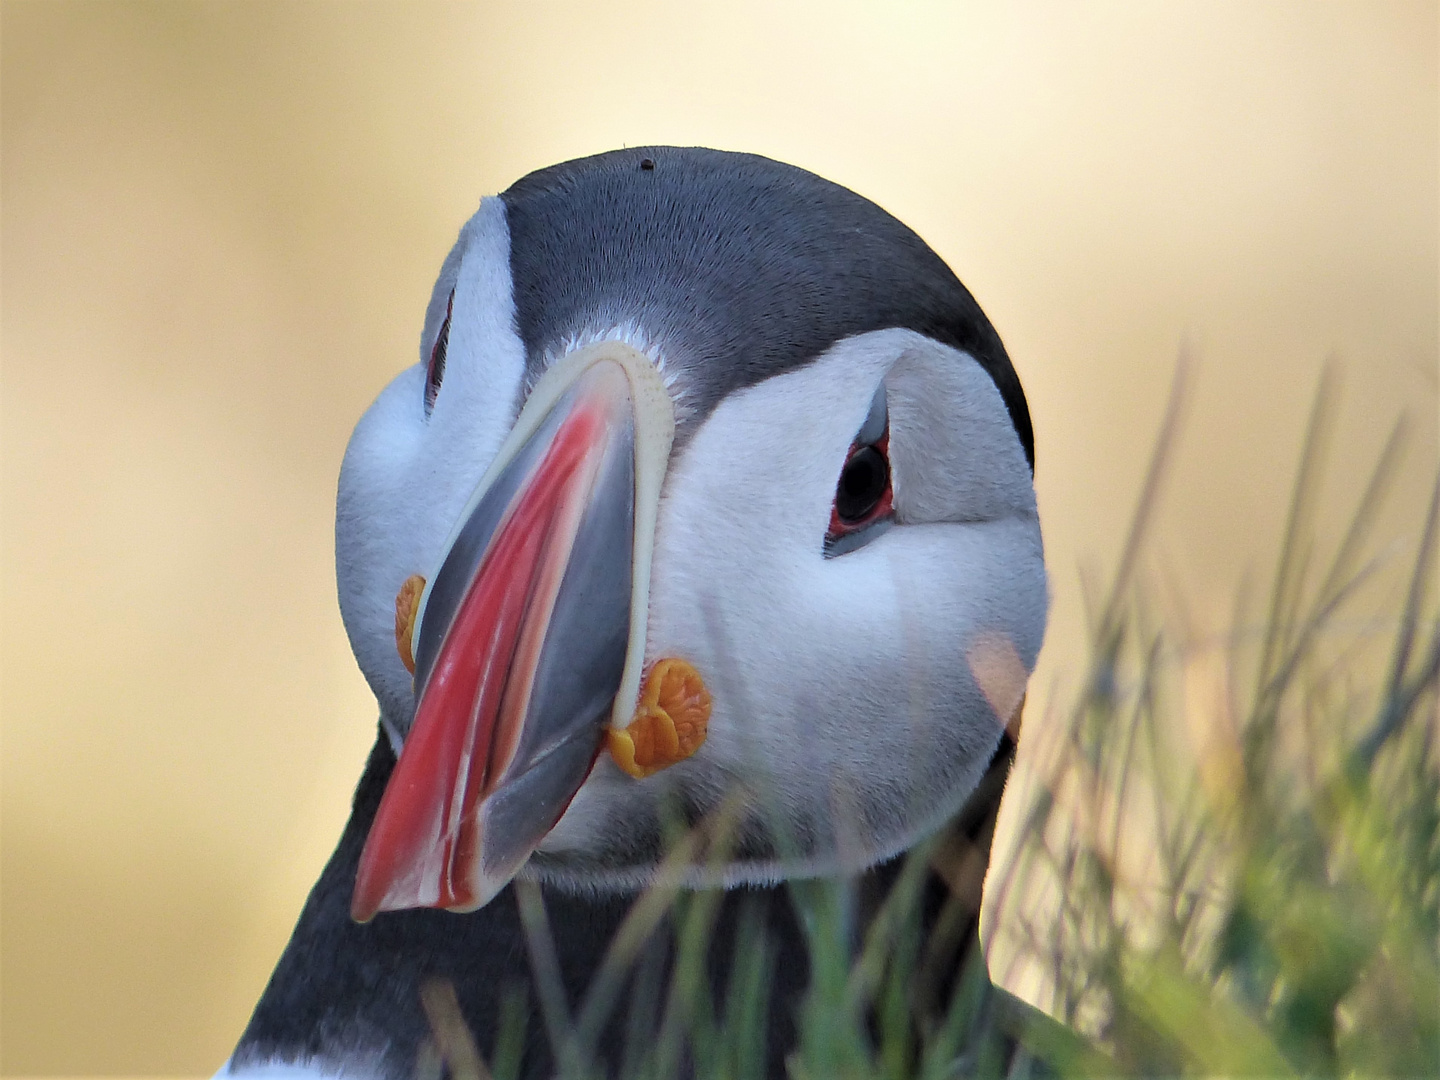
529	639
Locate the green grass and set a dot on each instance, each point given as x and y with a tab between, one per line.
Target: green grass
1232	866
1269	905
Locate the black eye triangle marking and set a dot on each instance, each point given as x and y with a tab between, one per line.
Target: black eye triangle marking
435	369
877	421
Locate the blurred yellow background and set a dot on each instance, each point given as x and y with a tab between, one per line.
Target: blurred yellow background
220	226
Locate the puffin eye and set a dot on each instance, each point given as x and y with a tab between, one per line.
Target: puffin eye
864	498
435	369
863	483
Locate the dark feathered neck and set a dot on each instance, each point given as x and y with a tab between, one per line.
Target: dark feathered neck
349	996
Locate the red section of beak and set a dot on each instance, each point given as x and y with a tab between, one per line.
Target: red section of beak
425	845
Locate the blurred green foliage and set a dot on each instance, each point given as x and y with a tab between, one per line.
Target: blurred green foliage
1266	902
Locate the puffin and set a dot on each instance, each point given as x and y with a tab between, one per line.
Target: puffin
698	556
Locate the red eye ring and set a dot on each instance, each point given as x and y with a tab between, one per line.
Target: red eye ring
865	492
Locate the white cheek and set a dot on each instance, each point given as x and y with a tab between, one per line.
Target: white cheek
406	478
840	685
375	535
758	479
847	679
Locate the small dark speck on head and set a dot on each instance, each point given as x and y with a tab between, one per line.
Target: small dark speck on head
647	164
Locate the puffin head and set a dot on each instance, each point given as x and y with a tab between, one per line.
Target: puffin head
711	496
